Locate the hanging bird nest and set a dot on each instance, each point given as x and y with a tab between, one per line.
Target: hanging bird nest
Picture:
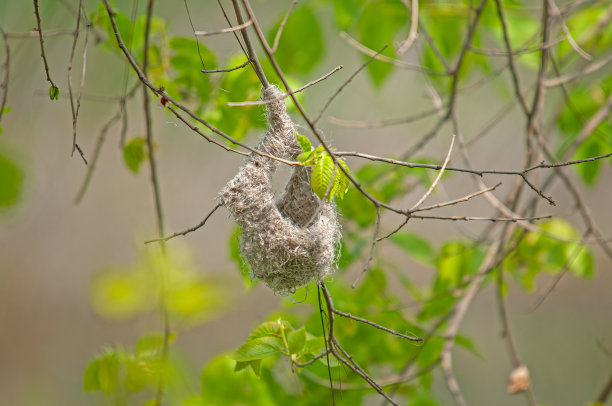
290	241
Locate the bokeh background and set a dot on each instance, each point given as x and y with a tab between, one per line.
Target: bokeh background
51	249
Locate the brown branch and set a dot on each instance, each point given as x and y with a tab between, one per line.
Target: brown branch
6	66
75	109
435	182
55	91
251	52
224	30
226	70
378	326
200	225
94	159
339	352
279	32
414	25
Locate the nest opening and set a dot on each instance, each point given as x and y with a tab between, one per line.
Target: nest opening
291	240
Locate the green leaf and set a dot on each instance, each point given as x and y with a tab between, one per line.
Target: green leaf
589	171
468	344
322	175
236	256
186	75
296	340
377	26
304	143
346	12
90	377
304	157
269	328
53	92
135	153
108	373
415	245
11	179
258	348
301	44
313	346
151	345
341	182
583	264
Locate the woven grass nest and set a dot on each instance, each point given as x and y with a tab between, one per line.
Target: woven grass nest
292	240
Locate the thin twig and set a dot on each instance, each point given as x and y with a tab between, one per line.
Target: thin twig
460	200
568	35
226	70
435	182
414	25
224	30
591	68
378	326
6	66
73	108
383	58
42	50
350	78
200	225
94	159
284	95
279	32
493	219
251	52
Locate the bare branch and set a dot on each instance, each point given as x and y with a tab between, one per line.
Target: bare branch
200	225
435	182
383	58
414	25
263	102
279	32
42	51
224	30
226	70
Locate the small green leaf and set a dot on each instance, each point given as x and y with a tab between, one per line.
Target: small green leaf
135	153
341	182
304	157
240	365
313	346
108	373
304	142
415	245
468	344
11	181
322	175
296	340
583	264
269	328
53	92
258	348
90	377
152	344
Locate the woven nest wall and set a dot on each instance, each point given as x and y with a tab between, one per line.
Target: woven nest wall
290	241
